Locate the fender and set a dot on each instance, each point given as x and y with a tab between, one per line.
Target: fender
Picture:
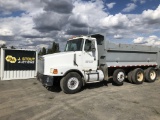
74	70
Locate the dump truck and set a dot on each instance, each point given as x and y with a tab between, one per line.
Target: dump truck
93	58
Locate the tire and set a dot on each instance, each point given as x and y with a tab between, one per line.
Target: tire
119	77
71	83
150	74
138	76
130	77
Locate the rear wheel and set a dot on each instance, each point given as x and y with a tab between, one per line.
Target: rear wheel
150	74
71	83
138	76
130	77
119	77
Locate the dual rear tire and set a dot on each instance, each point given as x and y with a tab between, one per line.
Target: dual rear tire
150	74
138	75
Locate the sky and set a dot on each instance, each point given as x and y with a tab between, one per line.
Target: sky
33	24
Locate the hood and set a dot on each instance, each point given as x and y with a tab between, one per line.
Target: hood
58	54
59	59
62	61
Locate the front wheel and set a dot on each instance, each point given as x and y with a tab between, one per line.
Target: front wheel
71	83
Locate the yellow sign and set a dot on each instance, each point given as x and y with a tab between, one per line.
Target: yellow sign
11	59
23	60
28	58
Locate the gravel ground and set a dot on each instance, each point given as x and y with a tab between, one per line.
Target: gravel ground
28	99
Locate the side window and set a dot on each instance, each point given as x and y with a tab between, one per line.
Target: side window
88	45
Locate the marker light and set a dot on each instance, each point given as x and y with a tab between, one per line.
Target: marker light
54	71
72	37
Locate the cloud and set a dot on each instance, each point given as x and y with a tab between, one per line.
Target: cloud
152	16
77	31
78	20
140	1
41	22
59	6
94	11
139	40
117	36
134	1
50	21
7	7
115	21
5	32
129	7
151	40
2	42
111	5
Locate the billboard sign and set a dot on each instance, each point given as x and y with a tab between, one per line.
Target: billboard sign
19	60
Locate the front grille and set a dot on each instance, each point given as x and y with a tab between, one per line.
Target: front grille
41	65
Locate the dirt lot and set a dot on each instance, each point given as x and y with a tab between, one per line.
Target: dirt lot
28	99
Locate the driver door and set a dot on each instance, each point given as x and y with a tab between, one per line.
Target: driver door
89	56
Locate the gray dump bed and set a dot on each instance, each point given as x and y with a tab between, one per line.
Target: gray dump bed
131	55
125	55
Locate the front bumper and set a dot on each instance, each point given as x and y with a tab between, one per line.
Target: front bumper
45	80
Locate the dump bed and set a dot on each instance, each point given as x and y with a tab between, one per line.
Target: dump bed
124	55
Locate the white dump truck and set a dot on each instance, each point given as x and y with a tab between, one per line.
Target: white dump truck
90	59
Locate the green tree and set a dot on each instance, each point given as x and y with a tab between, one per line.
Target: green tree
49	51
43	51
40	53
55	47
3	46
12	47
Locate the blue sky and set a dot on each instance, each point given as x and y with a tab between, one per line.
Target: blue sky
140	7
35	24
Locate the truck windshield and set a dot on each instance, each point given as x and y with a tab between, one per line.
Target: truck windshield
74	45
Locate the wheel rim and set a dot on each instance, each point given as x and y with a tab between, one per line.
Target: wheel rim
73	83
152	75
140	76
120	77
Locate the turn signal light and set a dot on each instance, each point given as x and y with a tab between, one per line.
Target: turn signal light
72	37
55	71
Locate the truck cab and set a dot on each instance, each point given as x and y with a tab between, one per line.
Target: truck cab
74	67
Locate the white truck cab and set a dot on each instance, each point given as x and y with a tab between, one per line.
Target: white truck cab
74	67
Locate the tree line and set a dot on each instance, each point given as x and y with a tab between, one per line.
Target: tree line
4	46
53	49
